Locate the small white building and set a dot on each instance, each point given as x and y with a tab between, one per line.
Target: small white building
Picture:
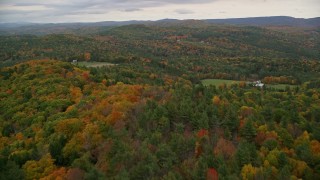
258	84
74	61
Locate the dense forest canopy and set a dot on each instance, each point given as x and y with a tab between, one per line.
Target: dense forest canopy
210	51
146	113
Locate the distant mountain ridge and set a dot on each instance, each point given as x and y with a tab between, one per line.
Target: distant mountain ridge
83	27
255	21
270	21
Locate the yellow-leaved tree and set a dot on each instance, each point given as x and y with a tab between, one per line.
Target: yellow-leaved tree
38	169
248	172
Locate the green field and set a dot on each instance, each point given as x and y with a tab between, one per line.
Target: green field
280	86
94	64
217	82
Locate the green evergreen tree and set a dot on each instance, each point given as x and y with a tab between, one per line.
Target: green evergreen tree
248	131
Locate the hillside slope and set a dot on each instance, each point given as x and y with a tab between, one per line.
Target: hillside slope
58	121
195	50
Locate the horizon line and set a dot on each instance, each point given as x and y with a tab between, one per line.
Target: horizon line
66	22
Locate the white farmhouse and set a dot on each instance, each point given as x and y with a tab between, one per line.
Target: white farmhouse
258	84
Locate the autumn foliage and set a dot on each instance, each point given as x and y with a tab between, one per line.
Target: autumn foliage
202	133
212	174
62	121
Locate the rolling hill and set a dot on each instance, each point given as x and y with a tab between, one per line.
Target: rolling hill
87	28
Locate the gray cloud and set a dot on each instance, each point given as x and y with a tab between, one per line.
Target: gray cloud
41	11
166	1
101	3
184	11
25	4
132	10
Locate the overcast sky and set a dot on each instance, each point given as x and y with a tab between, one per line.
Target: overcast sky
45	11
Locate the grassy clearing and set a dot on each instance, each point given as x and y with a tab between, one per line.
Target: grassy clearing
218	82
94	64
280	86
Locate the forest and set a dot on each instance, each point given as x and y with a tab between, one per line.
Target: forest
147	114
198	51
